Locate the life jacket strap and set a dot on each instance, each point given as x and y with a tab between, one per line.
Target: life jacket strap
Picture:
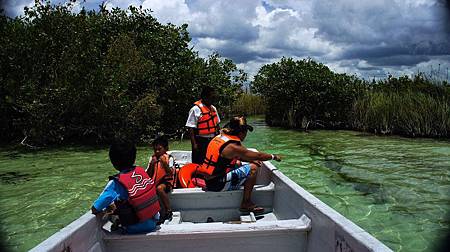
146	203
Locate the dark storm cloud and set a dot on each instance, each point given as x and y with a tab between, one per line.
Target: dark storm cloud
406	55
361	67
368	53
228	31
242	55
445	13
399	60
238	53
351	22
368	68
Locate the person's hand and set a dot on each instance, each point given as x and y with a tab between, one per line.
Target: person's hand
164	159
194	147
257	162
97	213
111	208
94	210
276	158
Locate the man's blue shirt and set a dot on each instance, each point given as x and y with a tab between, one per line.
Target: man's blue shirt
115	191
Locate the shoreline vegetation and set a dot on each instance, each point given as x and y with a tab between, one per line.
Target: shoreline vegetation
304	94
95	76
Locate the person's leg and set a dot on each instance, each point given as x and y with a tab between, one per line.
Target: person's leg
162	194
203	147
248	187
244	175
162	191
234	179
196	154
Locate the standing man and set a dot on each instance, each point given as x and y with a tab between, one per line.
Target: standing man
203	123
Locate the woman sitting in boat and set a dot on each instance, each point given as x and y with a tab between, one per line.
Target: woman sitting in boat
223	163
131	190
161	168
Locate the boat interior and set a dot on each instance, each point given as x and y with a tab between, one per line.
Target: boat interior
199	214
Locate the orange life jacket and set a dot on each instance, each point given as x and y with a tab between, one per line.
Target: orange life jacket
214	163
208	122
159	174
141	192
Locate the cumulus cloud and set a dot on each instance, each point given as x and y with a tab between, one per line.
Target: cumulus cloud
229	20
169	11
288	31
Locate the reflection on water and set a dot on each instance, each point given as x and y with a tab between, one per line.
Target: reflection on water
395	188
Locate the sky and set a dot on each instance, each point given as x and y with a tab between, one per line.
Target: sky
368	38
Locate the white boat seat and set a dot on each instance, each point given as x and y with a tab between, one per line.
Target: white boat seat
197	205
302	224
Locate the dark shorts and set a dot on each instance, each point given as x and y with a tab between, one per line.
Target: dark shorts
199	156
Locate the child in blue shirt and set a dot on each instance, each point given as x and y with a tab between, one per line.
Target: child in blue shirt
122	157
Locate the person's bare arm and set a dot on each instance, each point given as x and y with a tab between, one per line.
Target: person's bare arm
165	164
151	165
236	151
193	142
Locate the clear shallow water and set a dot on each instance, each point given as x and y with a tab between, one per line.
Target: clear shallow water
397	189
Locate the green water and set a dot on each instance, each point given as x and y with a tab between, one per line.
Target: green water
395	188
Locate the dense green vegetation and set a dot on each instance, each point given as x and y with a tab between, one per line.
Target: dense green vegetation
306	94
404	106
100	75
248	104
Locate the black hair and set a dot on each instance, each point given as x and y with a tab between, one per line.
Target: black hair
236	125
122	155
206	91
161	140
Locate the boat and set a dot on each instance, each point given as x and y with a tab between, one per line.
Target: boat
294	220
